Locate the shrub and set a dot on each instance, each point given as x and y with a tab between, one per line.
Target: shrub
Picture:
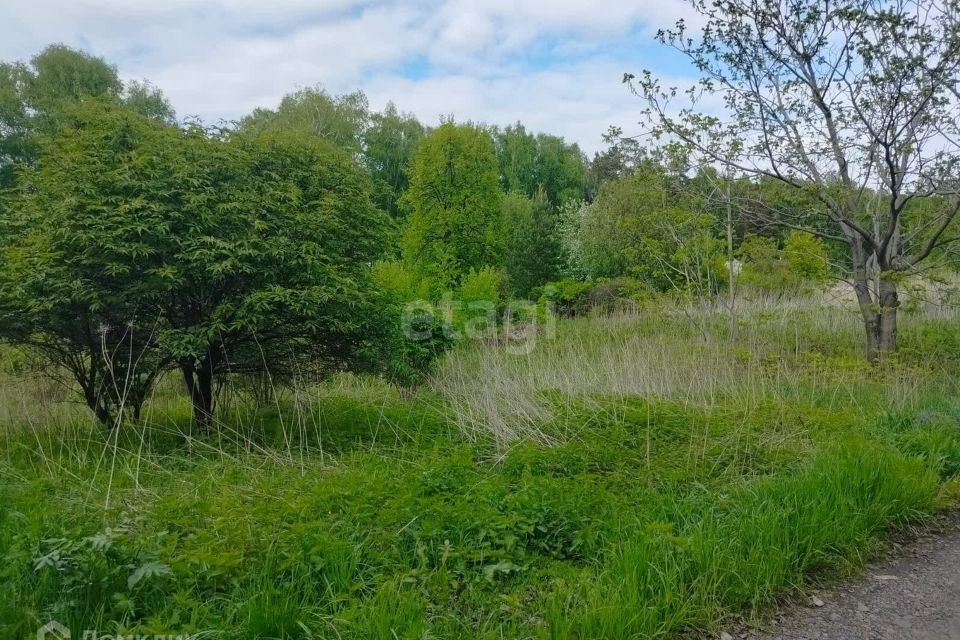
399	282
570	298
801	267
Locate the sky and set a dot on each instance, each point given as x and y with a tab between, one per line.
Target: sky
555	65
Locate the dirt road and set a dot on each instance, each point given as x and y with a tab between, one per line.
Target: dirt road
914	596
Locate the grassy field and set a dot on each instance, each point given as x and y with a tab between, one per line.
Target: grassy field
632	476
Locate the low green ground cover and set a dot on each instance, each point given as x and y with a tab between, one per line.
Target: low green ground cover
646	496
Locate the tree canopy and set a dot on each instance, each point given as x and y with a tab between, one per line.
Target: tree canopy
207	250
37	97
340	120
454	199
852	102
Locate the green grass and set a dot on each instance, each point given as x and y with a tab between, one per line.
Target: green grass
619	508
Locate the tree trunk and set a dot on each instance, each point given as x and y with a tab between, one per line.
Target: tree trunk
198	376
889	304
95	401
879	311
104	415
861	287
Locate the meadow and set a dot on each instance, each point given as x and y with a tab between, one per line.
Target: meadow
634	475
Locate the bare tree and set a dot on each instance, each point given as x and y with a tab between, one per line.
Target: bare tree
853	101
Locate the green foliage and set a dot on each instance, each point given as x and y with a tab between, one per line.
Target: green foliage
340	120
638	226
801	267
399	282
570	298
75	282
37	98
806	255
456	219
740	551
213	253
431	538
483	285
532	242
936	442
363	513
534	164
410	334
148	100
389	145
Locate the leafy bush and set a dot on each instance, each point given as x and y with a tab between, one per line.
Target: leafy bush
571	298
801	267
408	334
399	282
568	297
137	247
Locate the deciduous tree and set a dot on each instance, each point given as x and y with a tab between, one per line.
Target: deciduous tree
456	217
852	102
135	246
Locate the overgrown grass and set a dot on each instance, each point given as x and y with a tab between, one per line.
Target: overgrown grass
636	477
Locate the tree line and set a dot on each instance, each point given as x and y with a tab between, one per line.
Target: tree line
133	243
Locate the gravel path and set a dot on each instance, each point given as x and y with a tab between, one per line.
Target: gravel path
913	596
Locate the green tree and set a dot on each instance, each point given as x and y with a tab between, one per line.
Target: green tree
802	266
622	155
853	103
220	253
517	157
75	246
340	120
532	242
454	199
389	146
807	257
34	96
268	263
560	170
641	226
37	98
530	164
146	99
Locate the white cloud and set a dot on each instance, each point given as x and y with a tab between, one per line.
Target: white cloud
221	59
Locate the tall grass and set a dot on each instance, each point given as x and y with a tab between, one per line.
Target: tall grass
807	352
637	476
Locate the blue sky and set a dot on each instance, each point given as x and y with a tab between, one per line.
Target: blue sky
554	65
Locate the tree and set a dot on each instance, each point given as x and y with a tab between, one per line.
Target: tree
560	171
267	263
75	245
532	242
37	98
388	149
456	219
517	157
854	103
148	100
801	267
641	226
622	155
340	120
219	253
33	97
530	164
